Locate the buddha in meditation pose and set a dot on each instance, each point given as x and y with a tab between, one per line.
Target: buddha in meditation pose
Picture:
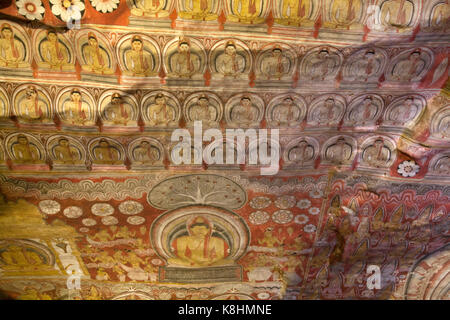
296	13
246	11
97	60
117	112
340	152
245	113
409	69
230	63
106	154
326	113
138	61
198	10
184	63
345	14
146	154
203	111
54	54
149	8
364	112
378	154
286	113
76	110
32	108
160	113
199	248
12	54
65	153
302	152
397	14
440	17
24	152
276	65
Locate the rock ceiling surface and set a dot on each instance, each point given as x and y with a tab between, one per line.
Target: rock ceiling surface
94	206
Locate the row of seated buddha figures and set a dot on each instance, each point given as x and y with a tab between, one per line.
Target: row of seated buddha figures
136	56
76	107
396	15
68	151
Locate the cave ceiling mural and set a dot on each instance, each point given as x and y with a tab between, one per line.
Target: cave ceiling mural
353	94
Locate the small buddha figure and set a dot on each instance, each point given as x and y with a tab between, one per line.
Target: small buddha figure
159	113
322	66
340	152
269	239
32	108
12	53
184	63
246	11
443	166
76	110
145	153
405	112
396	14
409	69
364	112
230	63
65	153
198	10
326	113
117	112
286	113
245	113
54	54
276	65
345	14
106	154
296	13
366	68
302	152
150	8
199	248
96	57
24	152
138	61
203	111
440	17
378	154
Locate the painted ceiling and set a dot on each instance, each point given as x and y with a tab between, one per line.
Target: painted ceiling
94	206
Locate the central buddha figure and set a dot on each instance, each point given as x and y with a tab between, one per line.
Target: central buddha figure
199	248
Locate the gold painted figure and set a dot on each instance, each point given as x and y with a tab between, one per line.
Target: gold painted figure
246	11
76	110
199	248
198	10
11	51
54	54
296	13
117	112
146	154
159	113
106	154
138	61
345	14
65	153
397	14
150	8
96	57
32	108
